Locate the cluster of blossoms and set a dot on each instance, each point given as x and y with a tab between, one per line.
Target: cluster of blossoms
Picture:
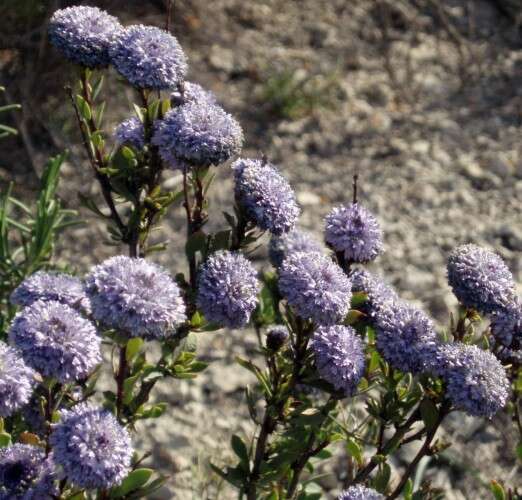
339	356
295	240
265	195
136	297
130	132
26	473
354	232
92	447
359	492
227	289
16	381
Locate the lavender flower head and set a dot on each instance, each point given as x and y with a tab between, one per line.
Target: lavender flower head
84	34
16	381
26	474
315	287
48	286
94	450
56	341
130	132
480	279
506	325
295	240
265	195
227	289
135	296
276	337
476	380
191	92
355	232
197	134
379	294
149	58
339	357
359	492
406	337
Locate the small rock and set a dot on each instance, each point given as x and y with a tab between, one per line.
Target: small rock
222	59
307	198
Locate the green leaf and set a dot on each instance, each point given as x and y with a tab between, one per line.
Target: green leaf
519	451
195	243
497	490
83	107
133	348
408	490
136	479
5	439
128	388
240	450
154	411
382	478
354	450
429	413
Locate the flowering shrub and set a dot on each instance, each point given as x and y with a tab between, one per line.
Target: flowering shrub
337	336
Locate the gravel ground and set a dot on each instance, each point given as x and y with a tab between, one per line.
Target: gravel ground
428	113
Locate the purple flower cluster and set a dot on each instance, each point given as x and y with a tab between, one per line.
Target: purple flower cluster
265	195
276	337
378	293
406	337
476	381
149	58
84	34
227	289
506	325
191	92
315	287
56	341
339	357
94	450
480	279
16	381
355	232
136	297
360	492
197	133
130	132
48	286
26	473
295	240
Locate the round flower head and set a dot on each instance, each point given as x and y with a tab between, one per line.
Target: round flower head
406	337
339	356
149	58
227	289
135	296
26	473
378	293
47	286
359	492
56	341
84	34
16	381
355	232
197	134
479	278
295	240
315	287
506	325
265	195
191	92
476	380
94	450
276	337
130	132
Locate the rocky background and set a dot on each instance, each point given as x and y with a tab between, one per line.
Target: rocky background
422	97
